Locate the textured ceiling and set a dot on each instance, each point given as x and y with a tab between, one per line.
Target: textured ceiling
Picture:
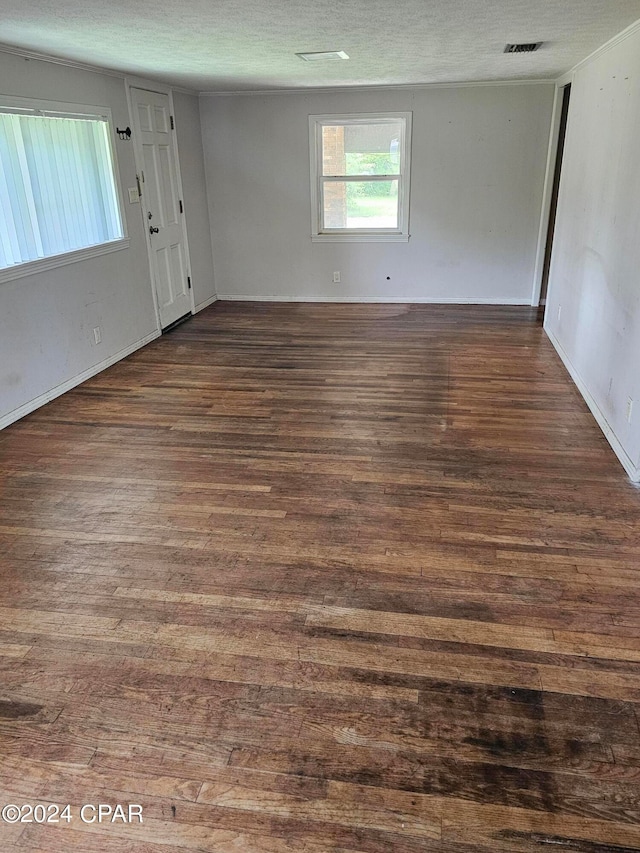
223	45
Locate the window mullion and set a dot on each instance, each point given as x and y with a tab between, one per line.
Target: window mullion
353	178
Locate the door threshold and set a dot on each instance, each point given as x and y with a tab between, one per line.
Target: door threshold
177	322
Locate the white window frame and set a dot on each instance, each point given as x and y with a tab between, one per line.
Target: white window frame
319	234
59	108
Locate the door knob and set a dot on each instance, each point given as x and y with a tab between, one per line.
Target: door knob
153	230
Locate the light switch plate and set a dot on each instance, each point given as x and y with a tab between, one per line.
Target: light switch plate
134	198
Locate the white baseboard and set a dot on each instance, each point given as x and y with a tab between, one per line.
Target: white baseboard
34	404
202	305
627	463
399	300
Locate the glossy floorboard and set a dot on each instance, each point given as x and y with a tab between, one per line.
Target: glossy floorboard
315	578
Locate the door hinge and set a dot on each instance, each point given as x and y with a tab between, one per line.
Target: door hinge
173	127
189	281
181	207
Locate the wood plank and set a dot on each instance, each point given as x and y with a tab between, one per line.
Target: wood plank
311	578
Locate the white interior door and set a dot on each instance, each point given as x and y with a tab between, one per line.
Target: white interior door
161	203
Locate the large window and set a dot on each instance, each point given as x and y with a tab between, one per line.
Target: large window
58	192
360	176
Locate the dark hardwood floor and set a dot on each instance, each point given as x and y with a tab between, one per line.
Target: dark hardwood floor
316	578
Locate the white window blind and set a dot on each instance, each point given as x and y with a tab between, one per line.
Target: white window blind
57	189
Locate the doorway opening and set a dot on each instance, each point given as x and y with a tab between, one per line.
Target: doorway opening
562	132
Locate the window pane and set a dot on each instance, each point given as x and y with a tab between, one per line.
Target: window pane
360	204
57	185
361	149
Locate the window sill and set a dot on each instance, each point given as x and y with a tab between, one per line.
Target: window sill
360	238
43	264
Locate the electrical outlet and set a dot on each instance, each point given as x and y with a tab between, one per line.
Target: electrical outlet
629	409
336	277
97	335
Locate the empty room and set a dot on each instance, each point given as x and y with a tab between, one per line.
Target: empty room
320	427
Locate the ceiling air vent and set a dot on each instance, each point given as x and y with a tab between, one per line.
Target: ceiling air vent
320	55
523	48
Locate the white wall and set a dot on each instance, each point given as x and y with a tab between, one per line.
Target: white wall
196	210
477	175
595	269
46	320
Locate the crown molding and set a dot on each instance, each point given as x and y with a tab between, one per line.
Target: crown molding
563	81
398	87
608	45
81	66
59	60
183	90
